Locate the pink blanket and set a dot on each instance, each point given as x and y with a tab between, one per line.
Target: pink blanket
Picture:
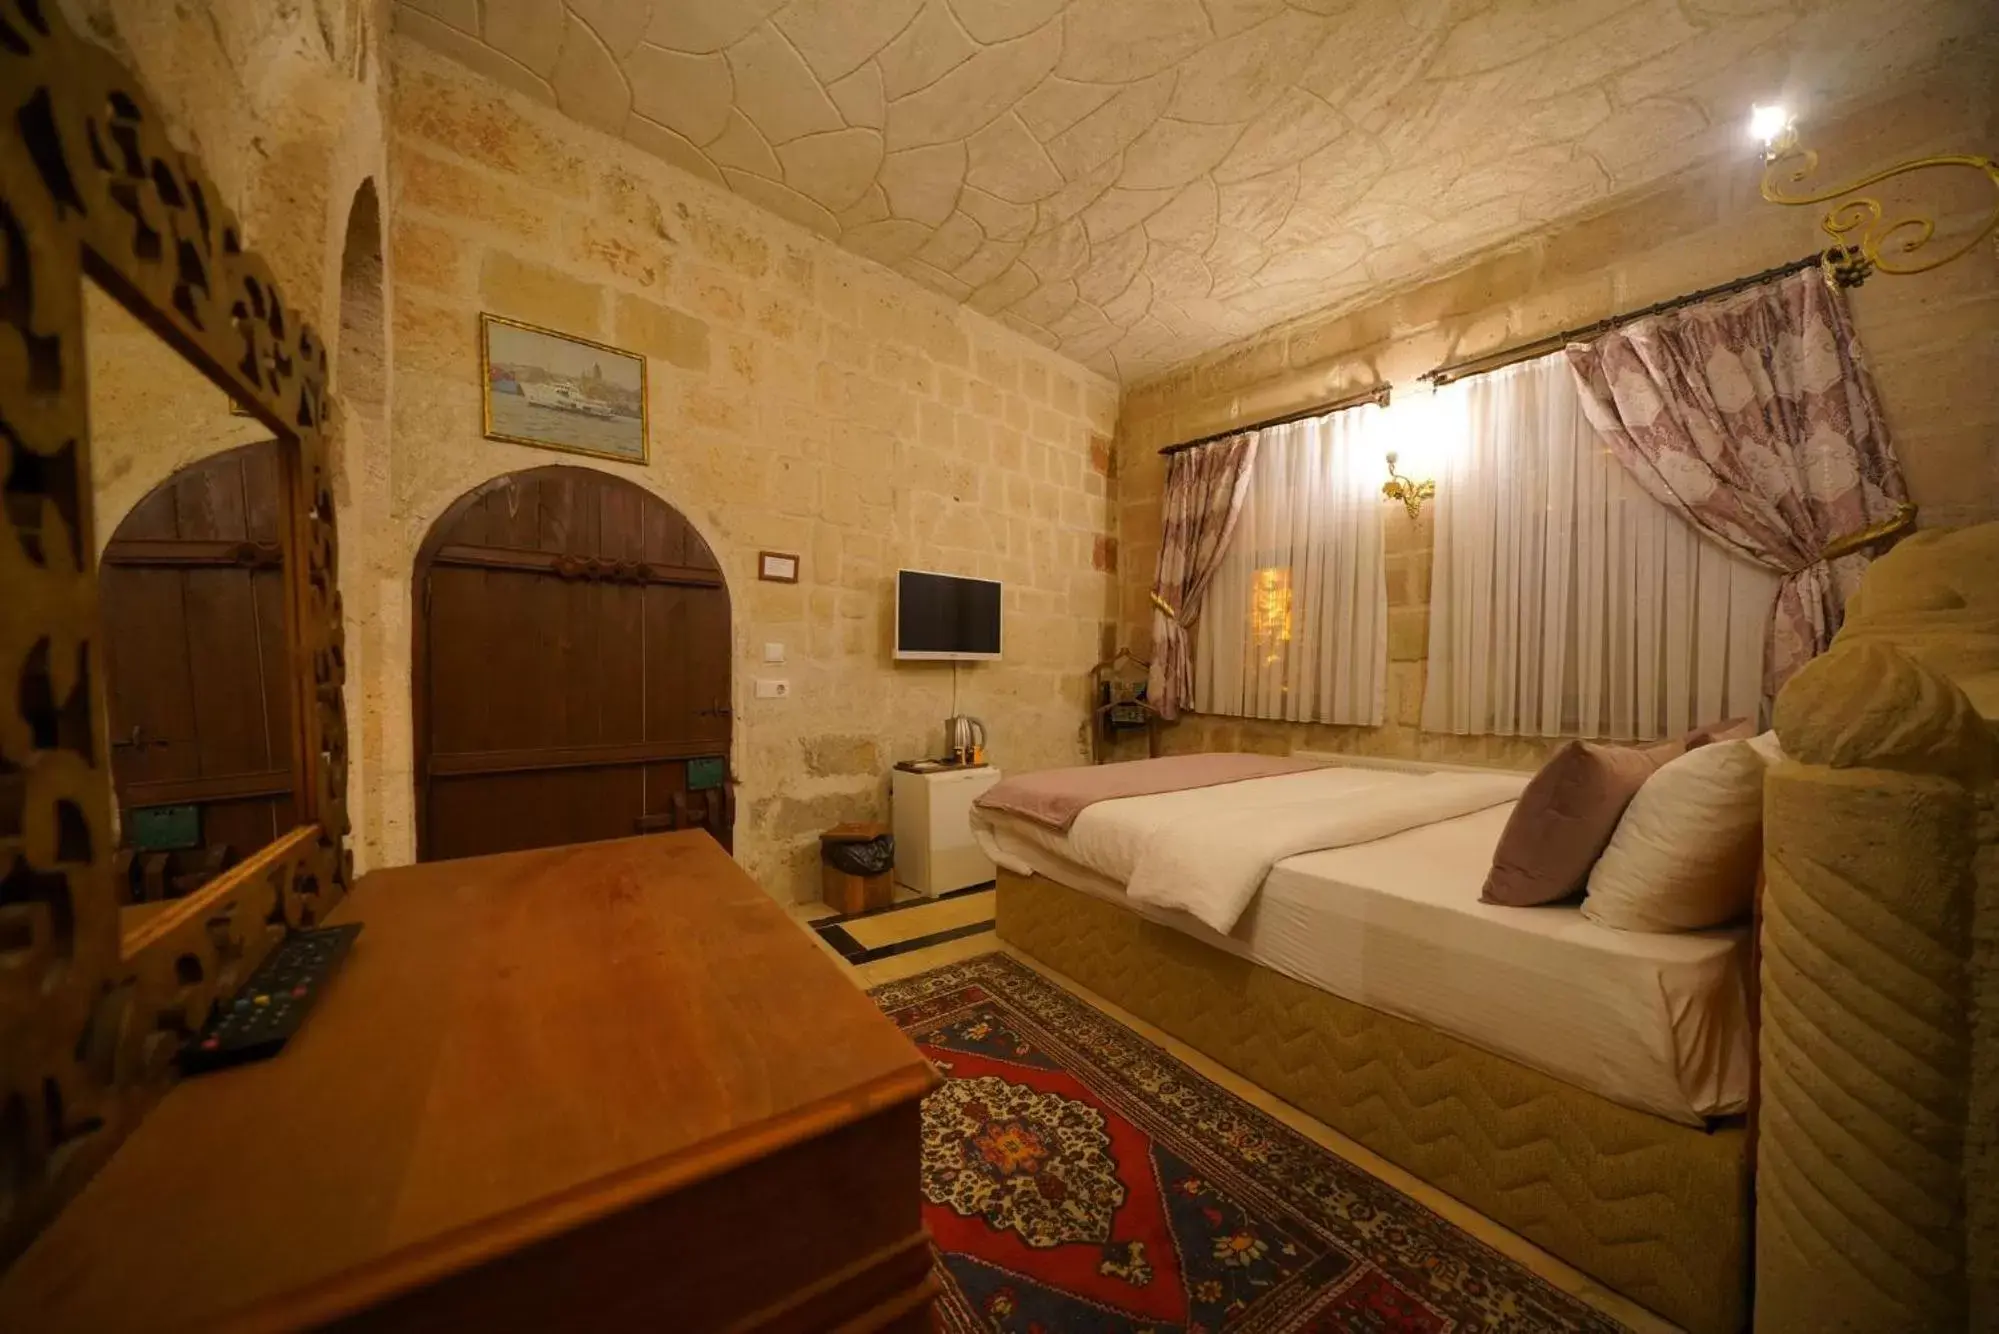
1055	797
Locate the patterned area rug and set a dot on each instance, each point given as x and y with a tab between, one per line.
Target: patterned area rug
1078	1178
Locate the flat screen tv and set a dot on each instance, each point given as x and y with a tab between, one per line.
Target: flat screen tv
945	617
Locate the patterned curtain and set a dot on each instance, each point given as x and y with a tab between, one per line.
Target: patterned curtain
1754	416
1204	494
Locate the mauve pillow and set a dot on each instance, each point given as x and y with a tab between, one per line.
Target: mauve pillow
1565	818
1735	729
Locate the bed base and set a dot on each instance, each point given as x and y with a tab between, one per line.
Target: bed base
1656	1210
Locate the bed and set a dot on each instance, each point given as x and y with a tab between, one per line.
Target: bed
1875	1192
1655	1022
1581	1085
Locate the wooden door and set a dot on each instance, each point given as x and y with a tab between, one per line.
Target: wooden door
572	669
193	598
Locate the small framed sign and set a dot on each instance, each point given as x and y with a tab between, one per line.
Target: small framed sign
164	828
706	773
777	567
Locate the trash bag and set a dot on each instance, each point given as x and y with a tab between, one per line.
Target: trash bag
872	857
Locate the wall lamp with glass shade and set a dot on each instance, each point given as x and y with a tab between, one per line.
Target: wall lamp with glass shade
1410	492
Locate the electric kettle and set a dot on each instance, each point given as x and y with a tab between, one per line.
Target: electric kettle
965	739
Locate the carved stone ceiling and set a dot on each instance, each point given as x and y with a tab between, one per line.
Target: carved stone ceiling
1134	182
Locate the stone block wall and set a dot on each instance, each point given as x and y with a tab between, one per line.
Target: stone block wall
802	399
1932	340
151	412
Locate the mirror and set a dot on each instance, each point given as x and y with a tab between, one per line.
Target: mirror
95	1002
192	506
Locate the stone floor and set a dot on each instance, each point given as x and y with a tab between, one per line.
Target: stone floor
915	934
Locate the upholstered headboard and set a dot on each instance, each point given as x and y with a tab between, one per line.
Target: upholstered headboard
1878	1160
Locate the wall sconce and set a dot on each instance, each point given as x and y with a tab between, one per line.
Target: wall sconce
1857	226
1412	494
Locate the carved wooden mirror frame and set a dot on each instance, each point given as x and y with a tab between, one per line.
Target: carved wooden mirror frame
89	1022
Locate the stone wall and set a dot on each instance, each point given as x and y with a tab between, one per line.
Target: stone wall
802	399
1933	341
151	412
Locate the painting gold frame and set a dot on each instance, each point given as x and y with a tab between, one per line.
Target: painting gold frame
487	321
92	1015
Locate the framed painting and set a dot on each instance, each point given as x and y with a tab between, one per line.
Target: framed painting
555	391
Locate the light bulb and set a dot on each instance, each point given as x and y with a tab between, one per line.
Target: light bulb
1768	123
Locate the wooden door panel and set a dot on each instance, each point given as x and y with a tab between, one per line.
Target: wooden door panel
687	669
671	706
513	517
606	667
209	504
150	697
151	518
621	525
227	651
559	683
475	815
528	660
624	661
263	496
455	623
267	590
197	665
559	527
667	543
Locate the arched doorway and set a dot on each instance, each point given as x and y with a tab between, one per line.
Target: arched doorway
361	500
203	740
571	669
360	365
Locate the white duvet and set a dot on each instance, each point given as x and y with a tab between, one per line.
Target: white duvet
1207	850
1211	864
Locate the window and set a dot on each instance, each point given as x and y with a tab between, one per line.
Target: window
1295	624
1564	600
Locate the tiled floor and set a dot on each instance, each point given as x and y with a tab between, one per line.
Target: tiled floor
911	924
914	935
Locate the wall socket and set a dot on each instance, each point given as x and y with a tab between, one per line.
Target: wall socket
773	689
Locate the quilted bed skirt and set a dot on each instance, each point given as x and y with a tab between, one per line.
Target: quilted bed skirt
1656	1210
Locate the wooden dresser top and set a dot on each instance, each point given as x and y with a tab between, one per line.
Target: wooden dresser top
515	1045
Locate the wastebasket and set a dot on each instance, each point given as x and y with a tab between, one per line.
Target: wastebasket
856	861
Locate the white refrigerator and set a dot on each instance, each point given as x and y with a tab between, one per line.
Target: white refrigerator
932	818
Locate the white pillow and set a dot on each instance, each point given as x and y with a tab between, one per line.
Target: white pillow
1767	745
1685	853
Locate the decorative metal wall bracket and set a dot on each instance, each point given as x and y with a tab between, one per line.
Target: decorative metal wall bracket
1864	241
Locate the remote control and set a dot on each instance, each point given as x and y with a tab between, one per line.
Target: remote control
273	1003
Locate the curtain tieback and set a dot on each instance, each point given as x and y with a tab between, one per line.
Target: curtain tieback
1164	606
1846	544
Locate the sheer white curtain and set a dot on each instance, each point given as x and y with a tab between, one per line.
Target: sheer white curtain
1564	600
1295	623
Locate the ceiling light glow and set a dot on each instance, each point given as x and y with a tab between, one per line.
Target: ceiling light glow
1768	123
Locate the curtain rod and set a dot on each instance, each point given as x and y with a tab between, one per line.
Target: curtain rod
1492	361
1377	396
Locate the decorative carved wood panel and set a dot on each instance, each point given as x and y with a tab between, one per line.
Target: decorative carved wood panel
90	184
572	666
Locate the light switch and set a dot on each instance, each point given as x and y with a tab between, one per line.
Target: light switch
773	653
767	689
